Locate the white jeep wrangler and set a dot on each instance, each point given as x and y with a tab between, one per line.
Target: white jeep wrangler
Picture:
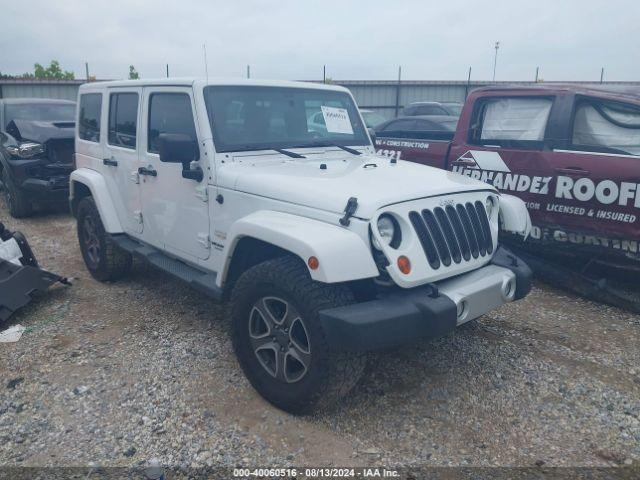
325	250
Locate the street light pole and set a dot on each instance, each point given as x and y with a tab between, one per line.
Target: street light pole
495	60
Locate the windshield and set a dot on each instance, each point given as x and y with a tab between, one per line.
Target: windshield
40	111
260	118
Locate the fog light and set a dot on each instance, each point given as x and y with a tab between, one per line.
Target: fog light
508	289
461	309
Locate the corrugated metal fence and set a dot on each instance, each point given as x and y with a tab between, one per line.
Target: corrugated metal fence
385	97
62	89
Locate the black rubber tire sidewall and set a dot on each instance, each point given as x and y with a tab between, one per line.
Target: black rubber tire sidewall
17	203
113	263
283	278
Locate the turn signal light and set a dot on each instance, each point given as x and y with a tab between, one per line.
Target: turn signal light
313	263
404	264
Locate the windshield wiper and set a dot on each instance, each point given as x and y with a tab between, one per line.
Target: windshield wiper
352	151
288	153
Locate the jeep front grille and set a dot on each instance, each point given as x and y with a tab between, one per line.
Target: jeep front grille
453	233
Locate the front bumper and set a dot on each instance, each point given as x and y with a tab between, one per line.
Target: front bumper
426	312
53	189
42	179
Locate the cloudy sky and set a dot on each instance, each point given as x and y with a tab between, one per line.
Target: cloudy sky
432	40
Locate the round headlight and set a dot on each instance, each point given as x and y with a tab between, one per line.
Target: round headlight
389	230
489	205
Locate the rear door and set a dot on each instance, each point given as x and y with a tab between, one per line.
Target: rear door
175	209
598	173
120	160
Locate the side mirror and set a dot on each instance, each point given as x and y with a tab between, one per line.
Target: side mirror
178	148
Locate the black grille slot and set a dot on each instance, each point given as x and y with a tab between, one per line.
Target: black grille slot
425	239
477	228
468	228
438	237
484	222
453	234
449	235
454	218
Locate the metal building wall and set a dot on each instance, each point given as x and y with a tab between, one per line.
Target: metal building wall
370	94
380	96
60	90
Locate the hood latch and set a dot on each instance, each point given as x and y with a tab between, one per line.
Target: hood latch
349	210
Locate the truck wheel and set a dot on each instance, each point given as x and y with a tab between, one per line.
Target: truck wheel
17	203
279	341
104	259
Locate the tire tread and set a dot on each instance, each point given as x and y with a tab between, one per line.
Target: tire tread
342	369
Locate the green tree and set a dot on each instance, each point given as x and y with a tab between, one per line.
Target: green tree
133	73
53	71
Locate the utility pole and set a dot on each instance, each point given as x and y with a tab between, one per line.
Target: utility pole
602	75
495	60
398	90
324	74
86	69
167	70
248	71
537	69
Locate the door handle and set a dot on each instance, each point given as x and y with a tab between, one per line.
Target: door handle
110	162
148	171
573	171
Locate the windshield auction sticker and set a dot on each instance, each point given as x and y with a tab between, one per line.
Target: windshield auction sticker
337	120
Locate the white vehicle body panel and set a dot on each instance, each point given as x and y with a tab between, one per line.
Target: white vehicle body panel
306	238
96	183
373	180
119	180
514	216
175	211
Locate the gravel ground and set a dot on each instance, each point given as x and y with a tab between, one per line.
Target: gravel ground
117	374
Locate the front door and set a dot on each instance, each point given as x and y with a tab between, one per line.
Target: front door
174	209
506	148
120	162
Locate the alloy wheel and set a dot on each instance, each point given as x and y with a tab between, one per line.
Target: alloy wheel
279	339
91	240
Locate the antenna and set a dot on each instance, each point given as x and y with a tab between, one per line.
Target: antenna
206	69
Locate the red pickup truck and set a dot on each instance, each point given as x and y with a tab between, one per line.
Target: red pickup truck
572	154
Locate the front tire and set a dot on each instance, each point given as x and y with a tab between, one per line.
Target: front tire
279	341
17	203
103	258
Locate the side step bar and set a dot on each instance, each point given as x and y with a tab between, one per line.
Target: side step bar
204	282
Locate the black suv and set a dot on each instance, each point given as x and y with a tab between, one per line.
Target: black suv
36	152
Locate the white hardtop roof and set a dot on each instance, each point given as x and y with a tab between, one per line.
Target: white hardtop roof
199	82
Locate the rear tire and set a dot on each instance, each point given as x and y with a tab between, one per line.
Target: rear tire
279	341
17	203
103	258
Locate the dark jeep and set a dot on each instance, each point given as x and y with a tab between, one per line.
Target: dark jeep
36	152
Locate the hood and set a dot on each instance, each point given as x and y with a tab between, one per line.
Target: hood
373	180
40	131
